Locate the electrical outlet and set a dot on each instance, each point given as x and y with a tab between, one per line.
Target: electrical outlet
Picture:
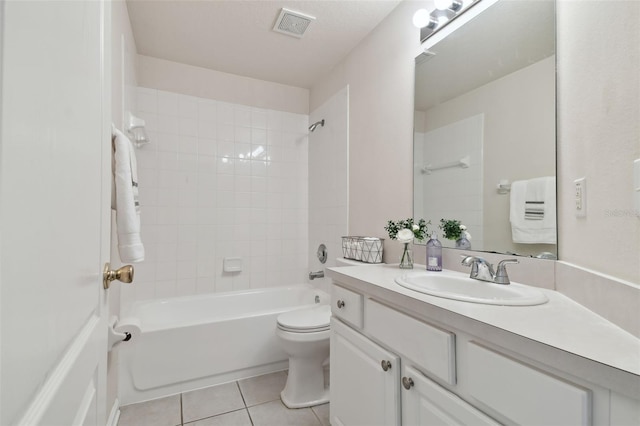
581	196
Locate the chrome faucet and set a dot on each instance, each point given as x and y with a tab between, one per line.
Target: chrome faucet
480	268
483	270
314	275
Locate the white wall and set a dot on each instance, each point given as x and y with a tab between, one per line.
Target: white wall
599	134
598	86
204	83
328	181
379	72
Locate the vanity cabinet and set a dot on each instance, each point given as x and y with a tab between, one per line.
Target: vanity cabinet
440	376
524	394
432	348
366	377
424	402
347	305
365	380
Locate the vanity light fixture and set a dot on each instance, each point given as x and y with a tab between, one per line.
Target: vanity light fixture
445	11
454	5
442	16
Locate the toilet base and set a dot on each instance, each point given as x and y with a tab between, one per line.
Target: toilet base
305	382
294	404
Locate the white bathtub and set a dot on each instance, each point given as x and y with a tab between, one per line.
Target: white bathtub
192	342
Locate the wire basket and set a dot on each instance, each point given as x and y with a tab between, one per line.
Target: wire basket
364	249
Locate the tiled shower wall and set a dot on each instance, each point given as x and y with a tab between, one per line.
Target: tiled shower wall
219	180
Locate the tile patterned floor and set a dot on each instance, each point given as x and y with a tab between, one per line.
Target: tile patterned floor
248	402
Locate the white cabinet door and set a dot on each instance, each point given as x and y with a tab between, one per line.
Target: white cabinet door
522	393
54	216
427	403
362	392
624	410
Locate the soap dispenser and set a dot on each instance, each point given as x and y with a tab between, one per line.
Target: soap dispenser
434	254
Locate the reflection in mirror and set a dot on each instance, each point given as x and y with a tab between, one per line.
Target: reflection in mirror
484	117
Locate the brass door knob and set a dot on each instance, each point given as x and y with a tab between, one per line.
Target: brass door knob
123	274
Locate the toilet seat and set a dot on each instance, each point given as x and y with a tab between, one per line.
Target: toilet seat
311	320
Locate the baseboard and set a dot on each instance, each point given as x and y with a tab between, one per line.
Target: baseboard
114	415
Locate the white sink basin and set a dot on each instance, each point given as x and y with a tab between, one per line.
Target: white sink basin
458	287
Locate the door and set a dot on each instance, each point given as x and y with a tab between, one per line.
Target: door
424	402
54	211
364	380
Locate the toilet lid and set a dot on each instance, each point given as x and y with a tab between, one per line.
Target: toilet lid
305	320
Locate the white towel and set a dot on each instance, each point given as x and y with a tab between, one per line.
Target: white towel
125	202
533	211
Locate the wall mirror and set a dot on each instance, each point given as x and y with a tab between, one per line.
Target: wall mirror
485	116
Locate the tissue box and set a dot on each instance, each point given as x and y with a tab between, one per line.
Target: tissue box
364	249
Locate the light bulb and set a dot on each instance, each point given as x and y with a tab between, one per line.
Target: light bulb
442	19
421	18
442	4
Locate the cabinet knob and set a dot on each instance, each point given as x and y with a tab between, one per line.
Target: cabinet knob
340	304
407	382
386	365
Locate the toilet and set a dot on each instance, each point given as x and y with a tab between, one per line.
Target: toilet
304	335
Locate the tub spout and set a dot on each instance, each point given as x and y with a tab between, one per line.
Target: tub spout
314	275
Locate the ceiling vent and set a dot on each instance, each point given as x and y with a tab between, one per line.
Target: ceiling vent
292	23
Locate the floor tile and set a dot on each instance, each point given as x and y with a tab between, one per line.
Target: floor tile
211	401
234	418
322	412
158	412
275	413
265	388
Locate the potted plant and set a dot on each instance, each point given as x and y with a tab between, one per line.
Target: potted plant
405	231
454	230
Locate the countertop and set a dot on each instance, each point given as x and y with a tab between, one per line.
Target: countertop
560	323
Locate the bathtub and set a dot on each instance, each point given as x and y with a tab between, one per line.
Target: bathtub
191	342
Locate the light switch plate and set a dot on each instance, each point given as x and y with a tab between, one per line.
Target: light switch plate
581	196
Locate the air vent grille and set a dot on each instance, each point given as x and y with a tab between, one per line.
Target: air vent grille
292	23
